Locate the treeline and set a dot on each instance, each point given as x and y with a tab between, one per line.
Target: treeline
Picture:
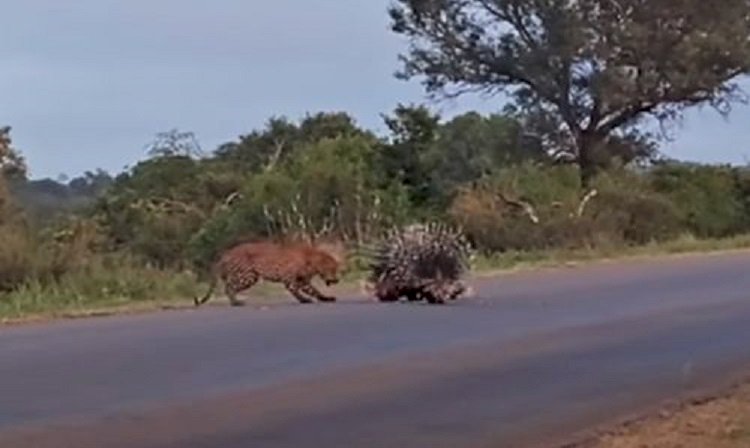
46	199
325	176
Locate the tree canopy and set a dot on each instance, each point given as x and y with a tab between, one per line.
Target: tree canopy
590	69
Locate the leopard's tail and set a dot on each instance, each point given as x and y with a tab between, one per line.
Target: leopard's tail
212	287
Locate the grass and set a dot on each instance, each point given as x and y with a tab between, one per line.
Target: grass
95	288
718	423
128	287
553	258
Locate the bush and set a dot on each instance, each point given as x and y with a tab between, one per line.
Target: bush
17	259
494	225
66	266
633	218
628	211
623	212
711	200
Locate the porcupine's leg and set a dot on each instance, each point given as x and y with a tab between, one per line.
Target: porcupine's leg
434	293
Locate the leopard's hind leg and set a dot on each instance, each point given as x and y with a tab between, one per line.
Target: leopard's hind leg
238	283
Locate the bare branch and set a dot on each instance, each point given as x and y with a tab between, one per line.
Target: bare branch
232	198
276	156
524	206
585	201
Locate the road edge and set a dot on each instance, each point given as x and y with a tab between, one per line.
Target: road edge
589	438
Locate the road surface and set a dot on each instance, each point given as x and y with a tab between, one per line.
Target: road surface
531	359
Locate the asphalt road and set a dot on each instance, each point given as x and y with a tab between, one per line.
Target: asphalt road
532	358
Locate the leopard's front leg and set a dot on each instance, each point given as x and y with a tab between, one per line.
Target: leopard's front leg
309	289
295	289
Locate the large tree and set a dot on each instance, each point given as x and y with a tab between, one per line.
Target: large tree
595	68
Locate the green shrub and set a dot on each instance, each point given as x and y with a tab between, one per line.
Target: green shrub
710	199
623	212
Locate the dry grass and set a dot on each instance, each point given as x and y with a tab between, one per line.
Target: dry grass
719	423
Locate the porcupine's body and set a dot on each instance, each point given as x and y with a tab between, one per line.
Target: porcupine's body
420	263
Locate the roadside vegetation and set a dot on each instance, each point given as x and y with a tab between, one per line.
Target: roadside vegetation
722	422
565	170
147	235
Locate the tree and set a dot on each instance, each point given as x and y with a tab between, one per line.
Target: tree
598	68
12	171
544	130
261	150
174	143
266	149
472	146
414	132
91	184
329	125
12	164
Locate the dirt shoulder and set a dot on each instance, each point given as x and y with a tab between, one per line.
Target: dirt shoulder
718	421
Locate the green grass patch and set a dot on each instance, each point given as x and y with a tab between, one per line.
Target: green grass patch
552	258
96	287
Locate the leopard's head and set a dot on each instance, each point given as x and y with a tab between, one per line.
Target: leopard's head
328	267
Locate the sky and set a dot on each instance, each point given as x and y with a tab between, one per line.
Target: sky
87	84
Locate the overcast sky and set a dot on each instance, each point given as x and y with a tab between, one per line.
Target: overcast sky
87	83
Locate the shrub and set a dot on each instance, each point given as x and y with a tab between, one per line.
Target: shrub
624	211
710	199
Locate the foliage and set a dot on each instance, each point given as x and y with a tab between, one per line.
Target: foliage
174	143
46	200
414	133
12	164
712	200
624	211
331	188
265	149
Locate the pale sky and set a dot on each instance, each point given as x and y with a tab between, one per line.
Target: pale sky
86	84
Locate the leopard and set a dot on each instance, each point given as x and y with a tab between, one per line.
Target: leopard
294	265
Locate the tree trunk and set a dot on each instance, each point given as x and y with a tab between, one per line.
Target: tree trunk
588	146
